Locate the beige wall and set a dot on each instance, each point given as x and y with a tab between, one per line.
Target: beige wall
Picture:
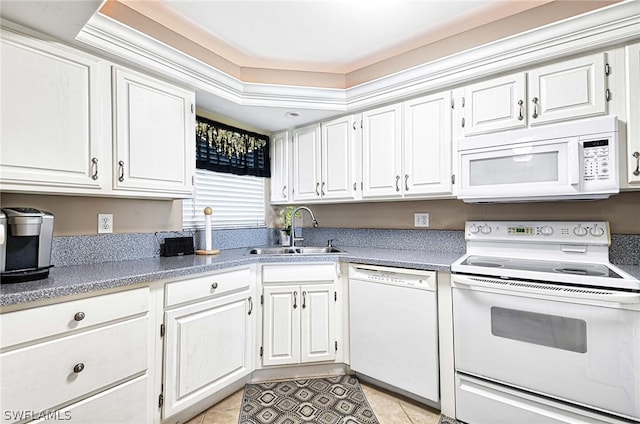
622	211
79	215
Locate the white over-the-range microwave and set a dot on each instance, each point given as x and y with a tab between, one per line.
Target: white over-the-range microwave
576	160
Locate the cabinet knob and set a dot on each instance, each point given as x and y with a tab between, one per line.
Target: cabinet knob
79	316
214	286
78	368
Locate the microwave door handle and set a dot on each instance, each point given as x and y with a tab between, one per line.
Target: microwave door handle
573	162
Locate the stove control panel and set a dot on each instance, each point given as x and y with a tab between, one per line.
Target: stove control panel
543	231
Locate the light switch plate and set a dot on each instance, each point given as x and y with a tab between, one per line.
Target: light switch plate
105	223
421	219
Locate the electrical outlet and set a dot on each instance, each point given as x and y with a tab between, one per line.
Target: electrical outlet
105	223
421	219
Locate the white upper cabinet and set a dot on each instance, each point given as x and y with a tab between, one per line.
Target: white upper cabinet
562	91
56	113
568	90
154	135
325	161
382	152
427	146
632	158
407	149
280	162
493	105
54	129
306	163
340	159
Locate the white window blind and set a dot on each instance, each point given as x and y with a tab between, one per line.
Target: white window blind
237	200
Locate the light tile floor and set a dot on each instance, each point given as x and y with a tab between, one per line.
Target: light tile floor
388	407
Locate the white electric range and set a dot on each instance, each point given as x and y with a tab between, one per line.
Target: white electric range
546	330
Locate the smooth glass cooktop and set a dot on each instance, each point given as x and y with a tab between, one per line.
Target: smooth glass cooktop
567	268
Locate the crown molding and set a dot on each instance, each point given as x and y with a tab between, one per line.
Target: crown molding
610	26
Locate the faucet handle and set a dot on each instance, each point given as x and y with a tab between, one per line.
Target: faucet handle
330	243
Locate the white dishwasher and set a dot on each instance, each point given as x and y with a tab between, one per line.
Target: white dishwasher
394	328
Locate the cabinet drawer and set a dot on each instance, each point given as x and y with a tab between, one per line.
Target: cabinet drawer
298	273
45	321
207	286
40	377
123	404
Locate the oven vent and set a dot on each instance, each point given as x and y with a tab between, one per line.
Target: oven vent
547	287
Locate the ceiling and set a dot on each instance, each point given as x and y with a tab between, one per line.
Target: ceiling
280	40
316	36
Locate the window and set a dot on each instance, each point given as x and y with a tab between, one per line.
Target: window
231	166
238	201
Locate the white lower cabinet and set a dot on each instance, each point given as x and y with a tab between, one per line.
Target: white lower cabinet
68	370
299	314
298	324
209	343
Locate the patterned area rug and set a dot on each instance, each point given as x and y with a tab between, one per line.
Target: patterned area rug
330	400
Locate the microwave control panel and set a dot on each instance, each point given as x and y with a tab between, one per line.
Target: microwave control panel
596	160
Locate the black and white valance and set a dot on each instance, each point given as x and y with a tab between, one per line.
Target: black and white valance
223	148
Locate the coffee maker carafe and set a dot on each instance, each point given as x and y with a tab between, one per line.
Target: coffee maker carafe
26	236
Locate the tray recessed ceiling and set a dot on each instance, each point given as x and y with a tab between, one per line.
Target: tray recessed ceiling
321	36
325	36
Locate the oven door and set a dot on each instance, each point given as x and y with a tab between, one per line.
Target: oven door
584	350
533	169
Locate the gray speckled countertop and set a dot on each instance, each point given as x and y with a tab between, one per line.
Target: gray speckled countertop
78	279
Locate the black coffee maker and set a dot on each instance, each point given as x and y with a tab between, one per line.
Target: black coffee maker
26	236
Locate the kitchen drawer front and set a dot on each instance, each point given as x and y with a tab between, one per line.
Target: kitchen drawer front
123	404
42	376
55	320
295	273
208	286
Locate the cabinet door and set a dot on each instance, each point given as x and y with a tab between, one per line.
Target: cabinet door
494	105
306	163
280	168
382	152
154	135
52	113
207	347
281	325
568	90
633	114
338	158
427	145
317	323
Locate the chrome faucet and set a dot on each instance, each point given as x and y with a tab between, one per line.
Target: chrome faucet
294	239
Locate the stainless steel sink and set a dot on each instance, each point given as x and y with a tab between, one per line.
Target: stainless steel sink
298	250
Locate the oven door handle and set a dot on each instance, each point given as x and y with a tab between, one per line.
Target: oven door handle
546	289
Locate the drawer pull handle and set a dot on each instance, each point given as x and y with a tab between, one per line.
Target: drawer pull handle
637	170
295	299
250	305
535	107
78	368
79	316
214	286
304	299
